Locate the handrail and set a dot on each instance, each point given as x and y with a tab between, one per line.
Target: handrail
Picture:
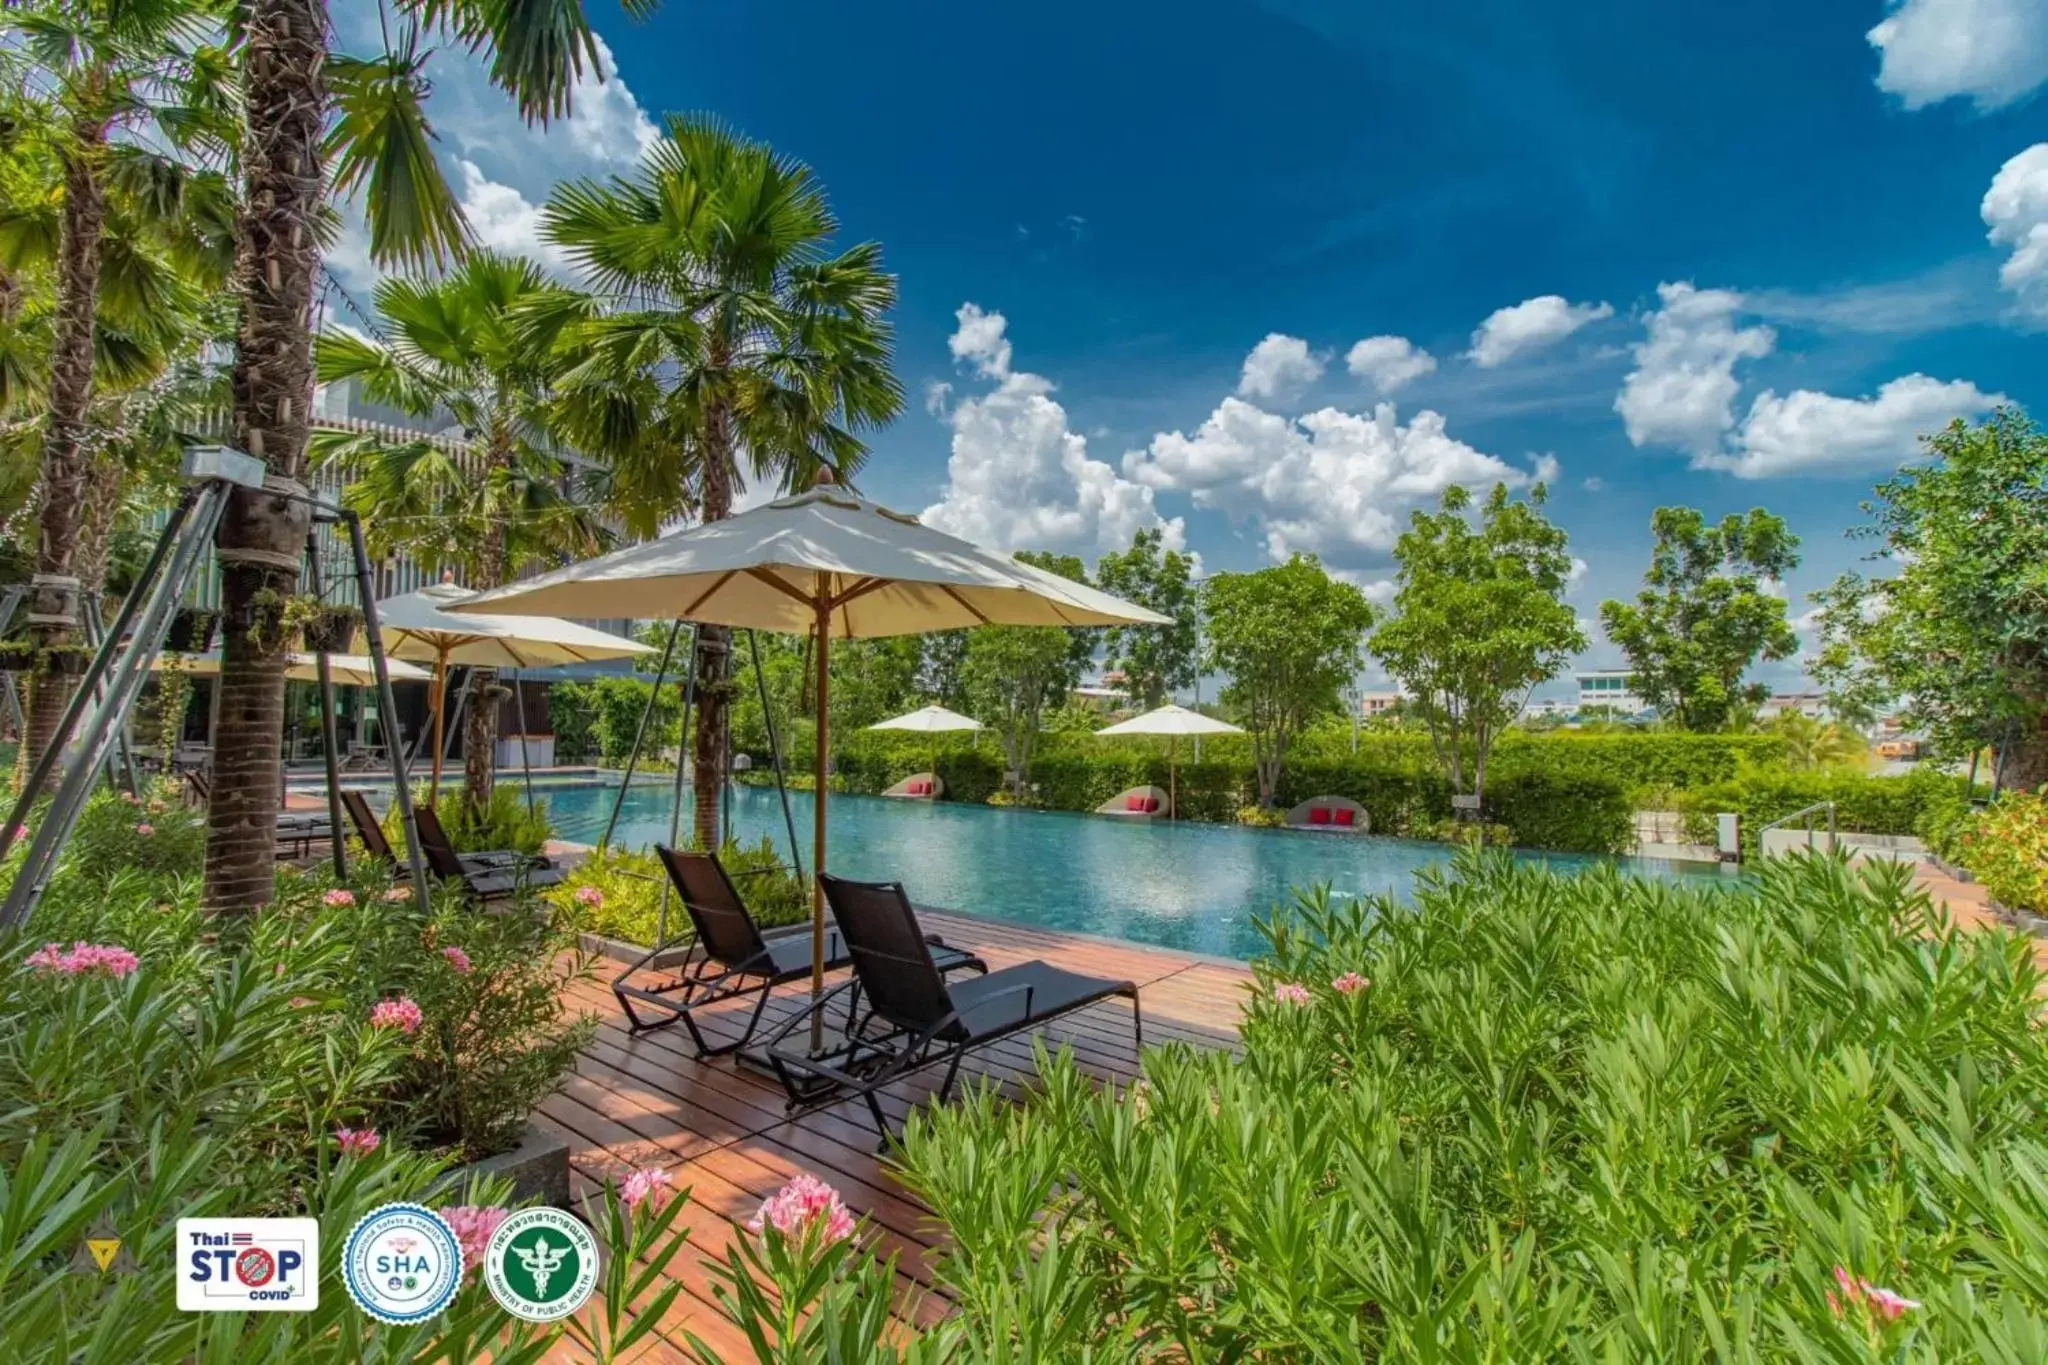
1805	813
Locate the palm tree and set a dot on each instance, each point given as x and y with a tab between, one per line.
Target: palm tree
312	116
727	341
108	78
456	355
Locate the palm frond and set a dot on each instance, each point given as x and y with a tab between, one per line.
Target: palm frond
382	145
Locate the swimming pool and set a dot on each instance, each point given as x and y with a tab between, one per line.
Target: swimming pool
1189	886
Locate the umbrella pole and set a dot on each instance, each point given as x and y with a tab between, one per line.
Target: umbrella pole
1173	777
440	706
821	763
525	751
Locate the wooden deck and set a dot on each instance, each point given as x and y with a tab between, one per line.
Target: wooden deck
723	1134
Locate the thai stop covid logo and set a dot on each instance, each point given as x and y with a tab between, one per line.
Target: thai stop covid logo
245	1265
541	1264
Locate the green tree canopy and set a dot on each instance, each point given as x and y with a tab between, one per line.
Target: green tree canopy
1288	639
1959	635
1706	614
1012	675
1154	659
1480	620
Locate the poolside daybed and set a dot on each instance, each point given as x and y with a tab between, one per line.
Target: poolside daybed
1137	803
918	787
1330	815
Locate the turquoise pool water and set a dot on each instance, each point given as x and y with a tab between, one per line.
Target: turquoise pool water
1193	887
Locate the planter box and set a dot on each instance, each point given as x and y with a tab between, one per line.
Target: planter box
618	950
330	631
191	630
538	1169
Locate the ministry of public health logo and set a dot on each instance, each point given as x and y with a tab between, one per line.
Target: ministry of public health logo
541	1264
244	1265
402	1263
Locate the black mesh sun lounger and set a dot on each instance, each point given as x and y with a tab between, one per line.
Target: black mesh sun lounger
487	876
925	1018
729	956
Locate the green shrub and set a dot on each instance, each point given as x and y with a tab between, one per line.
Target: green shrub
1868	805
2006	848
504	824
157	835
1569	1118
618	893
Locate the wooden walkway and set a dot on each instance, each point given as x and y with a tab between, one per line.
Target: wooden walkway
723	1134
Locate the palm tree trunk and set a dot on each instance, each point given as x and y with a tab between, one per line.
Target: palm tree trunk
480	726
263	536
714	649
53	602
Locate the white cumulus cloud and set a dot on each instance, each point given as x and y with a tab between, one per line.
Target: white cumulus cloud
1279	367
1018	477
1992	51
1805	432
2015	208
1330	482
1388	361
1683	388
502	219
1529	326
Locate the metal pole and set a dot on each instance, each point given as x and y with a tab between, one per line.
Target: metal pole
775	754
675	797
525	755
640	733
820	769
330	741
387	710
46	762
95	632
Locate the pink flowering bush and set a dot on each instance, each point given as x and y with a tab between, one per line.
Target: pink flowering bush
145	830
110	844
457	959
1877	1305
805	1201
1290	993
1350	983
80	959
357	1141
473	1225
590	897
402	1013
398	895
649	1185
338	897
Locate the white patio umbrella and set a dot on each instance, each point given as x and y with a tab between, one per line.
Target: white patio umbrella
1173	722
933	720
422	625
825	563
349	670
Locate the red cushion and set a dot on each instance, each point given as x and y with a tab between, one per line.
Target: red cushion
1319	815
1151	804
923	788
1134	803
1345	815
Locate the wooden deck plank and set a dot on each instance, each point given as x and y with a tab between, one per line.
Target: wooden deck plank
723	1131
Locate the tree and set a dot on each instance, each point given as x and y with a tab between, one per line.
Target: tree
1154	659
1811	743
1705	614
311	119
1480	620
1288	639
1012	675
728	342
458	353
110	75
1958	636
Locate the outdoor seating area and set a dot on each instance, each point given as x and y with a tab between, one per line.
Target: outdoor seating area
1331	815
917	787
1136	803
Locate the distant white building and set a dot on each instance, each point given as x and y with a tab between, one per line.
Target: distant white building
1813	705
1372	704
1612	688
1543	708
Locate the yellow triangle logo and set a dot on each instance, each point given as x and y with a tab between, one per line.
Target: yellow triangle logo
104	1250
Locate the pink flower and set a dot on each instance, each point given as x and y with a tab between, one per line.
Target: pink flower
1880	1303
398	893
590	896
131	798
156	806
357	1141
109	959
338	897
792	1209
1349	982
401	1013
649	1185
473	1225
457	959
145	829
1290	993
1886	1304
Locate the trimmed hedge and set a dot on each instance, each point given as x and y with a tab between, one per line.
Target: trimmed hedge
1864	805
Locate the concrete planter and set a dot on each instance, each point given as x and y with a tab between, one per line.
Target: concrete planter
622	952
538	1169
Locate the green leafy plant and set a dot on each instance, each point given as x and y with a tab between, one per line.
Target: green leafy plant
2006	848
503	824
618	893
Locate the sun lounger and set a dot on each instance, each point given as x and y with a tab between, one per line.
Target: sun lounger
924	1018
1329	815
918	787
1138	803
486	876
296	830
729	956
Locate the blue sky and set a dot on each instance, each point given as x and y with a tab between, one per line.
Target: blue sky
1229	268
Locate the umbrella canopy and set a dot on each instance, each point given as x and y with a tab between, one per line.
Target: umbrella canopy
928	720
823	563
1173	722
350	670
422	625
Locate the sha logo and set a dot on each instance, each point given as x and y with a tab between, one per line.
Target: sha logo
246	1265
402	1263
